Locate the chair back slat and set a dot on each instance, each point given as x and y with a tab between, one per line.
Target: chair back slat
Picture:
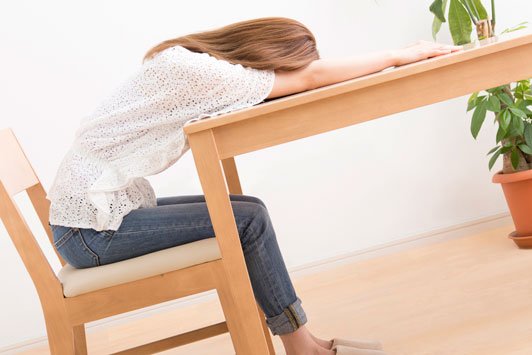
16	172
17	175
30	252
41	205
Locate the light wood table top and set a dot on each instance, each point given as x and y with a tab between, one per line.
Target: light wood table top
481	65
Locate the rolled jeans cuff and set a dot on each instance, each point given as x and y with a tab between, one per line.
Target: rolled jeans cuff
291	319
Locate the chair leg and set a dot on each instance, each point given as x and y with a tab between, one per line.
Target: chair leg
229	308
60	335
266	330
80	341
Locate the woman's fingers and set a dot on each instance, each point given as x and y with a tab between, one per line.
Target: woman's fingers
438	52
445	50
431	49
423	50
438	48
428	44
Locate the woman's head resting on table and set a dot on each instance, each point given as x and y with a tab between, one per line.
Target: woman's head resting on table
269	43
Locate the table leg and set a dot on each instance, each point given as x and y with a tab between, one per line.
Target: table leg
251	339
231	176
233	182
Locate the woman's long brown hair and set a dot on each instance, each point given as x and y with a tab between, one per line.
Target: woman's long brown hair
269	43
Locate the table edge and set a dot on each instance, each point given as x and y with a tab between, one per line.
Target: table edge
471	51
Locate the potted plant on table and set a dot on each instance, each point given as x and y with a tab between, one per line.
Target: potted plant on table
510	106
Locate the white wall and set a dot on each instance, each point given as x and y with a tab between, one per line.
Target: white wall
327	195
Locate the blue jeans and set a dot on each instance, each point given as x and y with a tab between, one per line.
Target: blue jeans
183	219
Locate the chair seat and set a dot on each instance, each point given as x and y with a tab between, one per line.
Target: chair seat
78	281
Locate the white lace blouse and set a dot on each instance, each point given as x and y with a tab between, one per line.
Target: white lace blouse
138	131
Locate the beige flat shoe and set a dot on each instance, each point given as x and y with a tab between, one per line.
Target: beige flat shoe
347	350
357	343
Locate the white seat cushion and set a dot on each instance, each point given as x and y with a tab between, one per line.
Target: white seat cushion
78	281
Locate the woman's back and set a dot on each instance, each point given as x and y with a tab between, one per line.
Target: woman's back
137	132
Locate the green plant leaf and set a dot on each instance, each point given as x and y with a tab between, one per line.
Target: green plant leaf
471	105
516	28
506	149
493	149
473	96
459	23
494	104
494	158
436	23
467	5
497	116
522	88
500	134
525	149
506	118
525	83
518	112
505	98
478	118
436	26
438	10
476	102
528	134
497	88
481	10
523	106
514	157
518	124
511	132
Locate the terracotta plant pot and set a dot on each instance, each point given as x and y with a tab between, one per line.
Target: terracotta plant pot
522	242
517	188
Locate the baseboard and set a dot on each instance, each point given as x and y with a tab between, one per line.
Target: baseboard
472	227
476	226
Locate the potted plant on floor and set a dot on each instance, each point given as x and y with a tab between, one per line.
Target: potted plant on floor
510	105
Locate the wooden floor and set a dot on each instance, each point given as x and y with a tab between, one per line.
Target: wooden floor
471	295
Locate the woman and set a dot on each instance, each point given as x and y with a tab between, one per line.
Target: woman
103	210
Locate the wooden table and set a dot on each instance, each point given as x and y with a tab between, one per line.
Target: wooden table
481	65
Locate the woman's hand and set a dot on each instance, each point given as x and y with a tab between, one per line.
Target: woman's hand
421	50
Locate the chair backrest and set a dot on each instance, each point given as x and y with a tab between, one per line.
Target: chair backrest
17	175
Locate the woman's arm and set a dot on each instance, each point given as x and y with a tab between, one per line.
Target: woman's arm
324	72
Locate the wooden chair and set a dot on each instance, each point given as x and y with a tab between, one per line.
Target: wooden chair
74	297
